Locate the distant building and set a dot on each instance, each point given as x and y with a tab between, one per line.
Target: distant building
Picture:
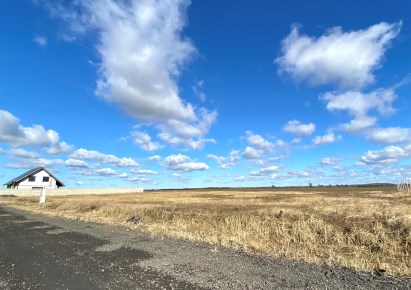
34	179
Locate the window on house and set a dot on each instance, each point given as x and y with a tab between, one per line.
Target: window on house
46	179
32	178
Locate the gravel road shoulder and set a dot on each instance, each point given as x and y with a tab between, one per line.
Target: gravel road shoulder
103	257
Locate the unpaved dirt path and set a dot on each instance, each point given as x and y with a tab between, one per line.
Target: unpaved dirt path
40	252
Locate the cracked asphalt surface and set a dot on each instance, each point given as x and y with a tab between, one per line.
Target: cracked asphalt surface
40	252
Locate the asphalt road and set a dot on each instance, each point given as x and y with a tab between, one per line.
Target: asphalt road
38	252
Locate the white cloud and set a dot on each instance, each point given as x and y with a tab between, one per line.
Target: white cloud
183	141
24	153
240	178
142	54
328	138
123	175
277	158
14	134
252	153
104	172
79	183
389	154
40	40
257	141
144	171
299	129
96	171
298	173
32	163
265	171
180	133
359	124
76	163
84	154
139	178
126	162
154	158
329	161
183	163
198	90
347	59
234	156
359	104
226	162
392	172
218	159
280	143
144	140
389	136
59	148
226	165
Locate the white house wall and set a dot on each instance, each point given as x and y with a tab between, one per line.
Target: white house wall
26	184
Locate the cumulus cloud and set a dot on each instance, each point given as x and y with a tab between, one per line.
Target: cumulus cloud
257	141
359	105
329	161
178	132
240	178
389	154
123	175
139	179
328	138
59	148
97	171
265	171
19	152
14	134
218	159
154	158
27	163
298	173
346	59
299	129
144	171
252	153
386	170
389	136
76	163
144	140
84	154
226	162
277	158
104	172
183	163
142	53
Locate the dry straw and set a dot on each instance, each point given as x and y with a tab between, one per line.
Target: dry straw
360	228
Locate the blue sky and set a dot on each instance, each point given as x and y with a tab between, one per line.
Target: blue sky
171	94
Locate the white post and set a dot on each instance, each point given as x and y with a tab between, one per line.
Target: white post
42	196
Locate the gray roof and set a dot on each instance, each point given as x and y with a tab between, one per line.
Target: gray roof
30	172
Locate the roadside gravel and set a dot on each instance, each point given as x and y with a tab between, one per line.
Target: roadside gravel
118	258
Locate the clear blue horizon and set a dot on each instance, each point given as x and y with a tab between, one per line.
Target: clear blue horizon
177	94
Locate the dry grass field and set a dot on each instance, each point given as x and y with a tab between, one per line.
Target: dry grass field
362	228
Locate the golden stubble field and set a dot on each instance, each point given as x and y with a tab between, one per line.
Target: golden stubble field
364	228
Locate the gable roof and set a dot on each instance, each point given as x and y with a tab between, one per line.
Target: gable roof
30	172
